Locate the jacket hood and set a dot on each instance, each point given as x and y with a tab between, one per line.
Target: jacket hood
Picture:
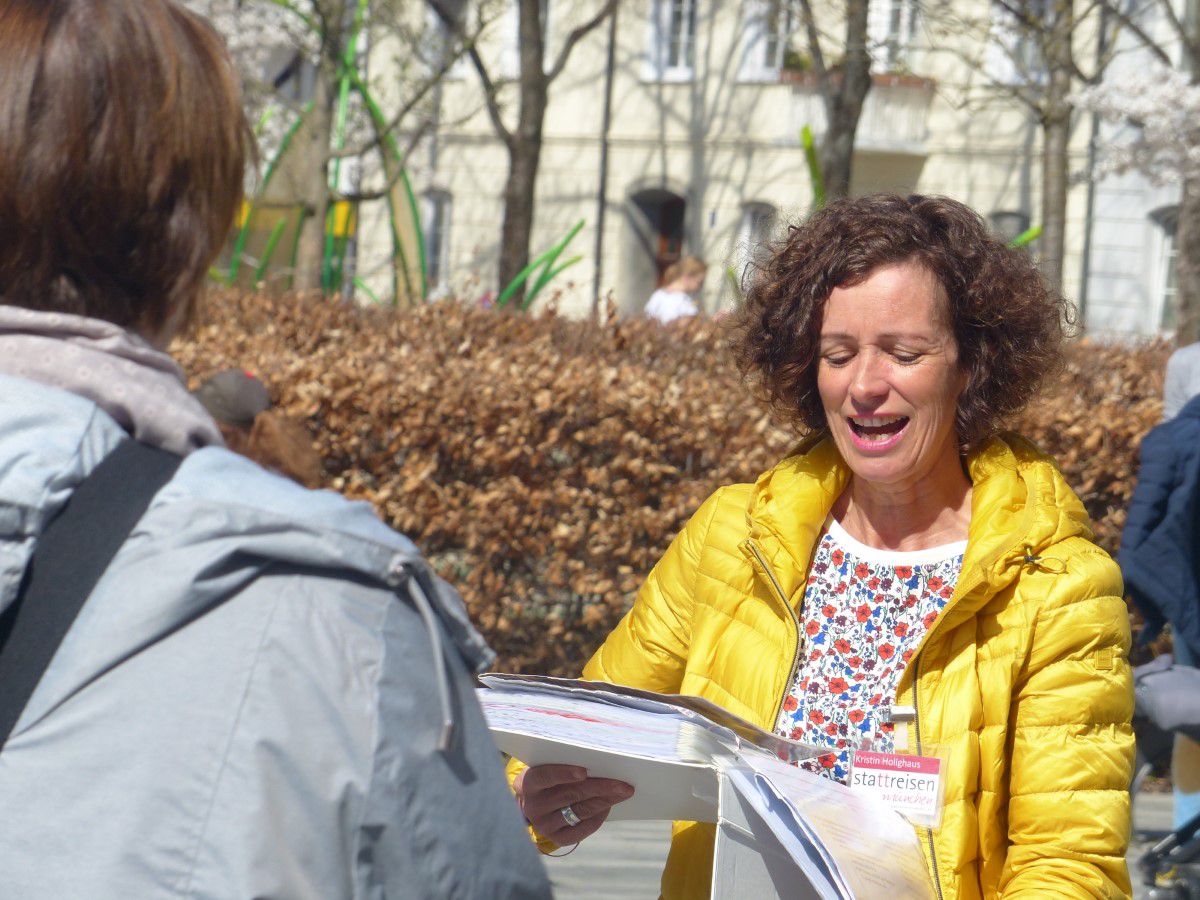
1021	506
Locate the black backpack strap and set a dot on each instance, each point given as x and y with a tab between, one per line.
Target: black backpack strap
71	554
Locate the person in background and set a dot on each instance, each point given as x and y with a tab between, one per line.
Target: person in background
241	406
1159	554
911	575
681	282
267	693
1182	381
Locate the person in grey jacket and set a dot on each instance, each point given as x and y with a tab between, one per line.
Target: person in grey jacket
1182	381
268	693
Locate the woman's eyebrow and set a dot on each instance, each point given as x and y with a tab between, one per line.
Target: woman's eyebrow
885	336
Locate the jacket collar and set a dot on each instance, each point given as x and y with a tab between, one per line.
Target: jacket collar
1020	507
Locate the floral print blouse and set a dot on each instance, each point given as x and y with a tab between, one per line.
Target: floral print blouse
865	611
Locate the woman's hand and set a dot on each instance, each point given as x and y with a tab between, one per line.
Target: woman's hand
544	792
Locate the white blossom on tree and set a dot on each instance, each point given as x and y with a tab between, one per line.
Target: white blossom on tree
254	29
1157	114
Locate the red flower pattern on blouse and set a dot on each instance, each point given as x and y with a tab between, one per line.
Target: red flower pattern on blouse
863	620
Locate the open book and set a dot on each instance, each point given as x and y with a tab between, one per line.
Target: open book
781	831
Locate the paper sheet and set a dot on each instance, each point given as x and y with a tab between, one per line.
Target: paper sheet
668	760
845	845
874	850
732	730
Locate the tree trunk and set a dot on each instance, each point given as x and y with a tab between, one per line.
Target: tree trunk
314	194
844	107
1056	131
1056	139
524	150
1187	263
519	195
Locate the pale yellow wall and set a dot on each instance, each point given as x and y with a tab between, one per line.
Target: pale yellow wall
721	143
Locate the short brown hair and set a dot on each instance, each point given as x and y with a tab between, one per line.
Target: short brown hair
1008	325
122	154
688	265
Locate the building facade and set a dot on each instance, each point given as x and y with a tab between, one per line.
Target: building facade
704	155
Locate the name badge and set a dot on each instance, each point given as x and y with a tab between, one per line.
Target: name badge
911	785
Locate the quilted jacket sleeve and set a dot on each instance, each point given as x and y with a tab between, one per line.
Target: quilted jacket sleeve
649	646
1072	744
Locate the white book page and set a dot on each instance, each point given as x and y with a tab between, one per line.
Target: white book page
875	851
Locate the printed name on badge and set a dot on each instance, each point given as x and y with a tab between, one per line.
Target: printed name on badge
911	785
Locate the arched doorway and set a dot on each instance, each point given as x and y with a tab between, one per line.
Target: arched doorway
653	240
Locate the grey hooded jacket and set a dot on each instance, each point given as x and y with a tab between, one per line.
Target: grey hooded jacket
251	701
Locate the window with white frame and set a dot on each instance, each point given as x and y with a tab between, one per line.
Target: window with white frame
1012	55
1167	274
437	236
671	54
891	32
767	32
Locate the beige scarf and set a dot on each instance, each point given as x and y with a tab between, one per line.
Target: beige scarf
141	388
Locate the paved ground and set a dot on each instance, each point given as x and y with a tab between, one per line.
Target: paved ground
624	859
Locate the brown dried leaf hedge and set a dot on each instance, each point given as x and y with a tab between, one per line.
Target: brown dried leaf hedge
544	464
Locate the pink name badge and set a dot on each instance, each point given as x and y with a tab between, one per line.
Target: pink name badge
911	785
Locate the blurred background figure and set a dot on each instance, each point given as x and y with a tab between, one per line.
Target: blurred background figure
241	406
1182	382
675	299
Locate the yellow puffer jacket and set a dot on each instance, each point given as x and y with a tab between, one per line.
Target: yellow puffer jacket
1022	684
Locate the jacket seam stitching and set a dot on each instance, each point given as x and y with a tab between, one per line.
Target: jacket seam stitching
1055	793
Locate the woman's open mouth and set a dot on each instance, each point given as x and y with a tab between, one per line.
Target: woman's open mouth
877	432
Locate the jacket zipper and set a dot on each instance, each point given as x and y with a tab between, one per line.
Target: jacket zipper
960	591
937	881
761	565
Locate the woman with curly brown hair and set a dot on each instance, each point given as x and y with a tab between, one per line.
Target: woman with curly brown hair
913	577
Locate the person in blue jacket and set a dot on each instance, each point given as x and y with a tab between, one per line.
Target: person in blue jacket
1160	562
268	693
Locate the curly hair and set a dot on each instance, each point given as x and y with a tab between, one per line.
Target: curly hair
1008	324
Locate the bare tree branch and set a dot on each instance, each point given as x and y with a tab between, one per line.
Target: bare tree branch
575	35
1168	10
491	92
399	166
818	57
1115	10
421	92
